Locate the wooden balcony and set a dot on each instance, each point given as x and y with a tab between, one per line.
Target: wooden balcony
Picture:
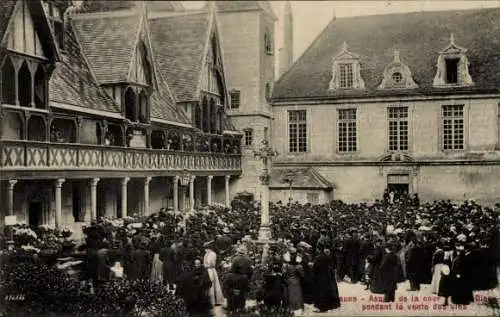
41	157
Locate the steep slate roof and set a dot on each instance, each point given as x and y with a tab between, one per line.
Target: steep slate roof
164	106
418	36
106	45
6	10
225	6
72	82
179	46
305	178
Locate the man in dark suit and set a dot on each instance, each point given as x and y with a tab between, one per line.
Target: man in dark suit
140	263
352	247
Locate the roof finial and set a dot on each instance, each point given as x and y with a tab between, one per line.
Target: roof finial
452	39
334	16
344	46
396	56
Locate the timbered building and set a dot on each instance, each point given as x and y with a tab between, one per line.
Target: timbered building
104	113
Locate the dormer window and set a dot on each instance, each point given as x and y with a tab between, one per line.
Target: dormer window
452	67
268	43
346	71
397	75
346	75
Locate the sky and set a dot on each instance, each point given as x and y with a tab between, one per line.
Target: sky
311	17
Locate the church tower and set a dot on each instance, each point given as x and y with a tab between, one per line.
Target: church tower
248	45
286	52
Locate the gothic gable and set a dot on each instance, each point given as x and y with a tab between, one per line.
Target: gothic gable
29	32
212	75
141	69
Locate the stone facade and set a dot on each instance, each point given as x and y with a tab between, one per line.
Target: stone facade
432	172
249	70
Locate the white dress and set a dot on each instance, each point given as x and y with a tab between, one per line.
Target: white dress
209	261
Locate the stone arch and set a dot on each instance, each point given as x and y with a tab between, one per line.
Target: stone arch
130	102
40	88
205	115
12	127
173	141
24	83
213	116
63	130
37	128
143	106
198	117
157	139
8	83
114	134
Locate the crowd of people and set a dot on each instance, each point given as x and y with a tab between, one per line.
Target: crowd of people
453	247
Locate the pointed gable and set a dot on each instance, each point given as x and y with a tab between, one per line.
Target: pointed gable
25	29
108	41
179	43
141	69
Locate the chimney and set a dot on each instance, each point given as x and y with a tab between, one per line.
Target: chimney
286	53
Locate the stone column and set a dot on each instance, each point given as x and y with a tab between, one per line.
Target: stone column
228	203
59	184
191	193
10	197
93	198
146	195
264	230
176	193
10	211
209	190
124	183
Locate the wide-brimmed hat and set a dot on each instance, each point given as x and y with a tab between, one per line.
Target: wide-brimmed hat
208	244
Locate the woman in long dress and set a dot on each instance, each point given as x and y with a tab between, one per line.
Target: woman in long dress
437	266
294	272
210	262
327	293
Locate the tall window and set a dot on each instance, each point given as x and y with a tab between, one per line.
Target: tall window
346	75
235	99
248	137
347	130
297	130
453	127
268	44
398	128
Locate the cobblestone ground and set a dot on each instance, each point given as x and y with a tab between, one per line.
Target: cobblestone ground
356	301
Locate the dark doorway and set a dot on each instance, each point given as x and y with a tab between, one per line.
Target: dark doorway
399	190
34	213
77	203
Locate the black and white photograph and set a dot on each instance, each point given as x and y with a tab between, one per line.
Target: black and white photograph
249	158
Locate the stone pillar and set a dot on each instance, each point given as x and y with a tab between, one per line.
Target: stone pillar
8	231
10	197
146	195
209	190
93	198
176	193
124	183
264	230
228	203
191	193
59	184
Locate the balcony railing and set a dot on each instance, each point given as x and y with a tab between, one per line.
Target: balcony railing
23	155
